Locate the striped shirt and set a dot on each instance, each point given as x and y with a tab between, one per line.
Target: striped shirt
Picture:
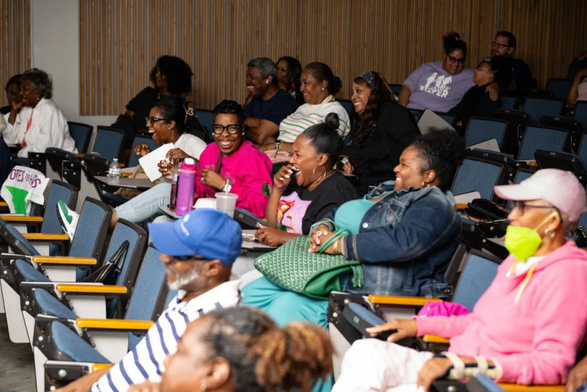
307	115
145	361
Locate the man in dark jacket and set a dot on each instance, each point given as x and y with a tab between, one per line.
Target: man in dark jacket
514	72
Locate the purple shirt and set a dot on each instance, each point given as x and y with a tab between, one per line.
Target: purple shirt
435	89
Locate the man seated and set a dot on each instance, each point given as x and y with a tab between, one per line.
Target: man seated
515	73
526	328
269	104
198	251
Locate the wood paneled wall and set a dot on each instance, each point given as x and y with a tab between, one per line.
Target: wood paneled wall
121	39
15	39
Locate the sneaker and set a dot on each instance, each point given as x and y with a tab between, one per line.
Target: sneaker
68	218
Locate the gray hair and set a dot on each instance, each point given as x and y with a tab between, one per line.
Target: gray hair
266	66
41	80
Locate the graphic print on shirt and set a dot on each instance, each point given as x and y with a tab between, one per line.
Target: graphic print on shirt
290	213
438	85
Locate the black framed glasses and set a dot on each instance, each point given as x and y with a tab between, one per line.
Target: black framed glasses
153	120
499	45
232	129
453	60
520	207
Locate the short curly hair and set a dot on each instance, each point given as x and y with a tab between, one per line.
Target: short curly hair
41	80
441	150
177	73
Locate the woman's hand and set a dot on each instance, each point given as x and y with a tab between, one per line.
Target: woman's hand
211	178
175	154
346	165
577	376
165	168
271	236
15	106
432	370
406	328
142	149
147	386
282	178
319	236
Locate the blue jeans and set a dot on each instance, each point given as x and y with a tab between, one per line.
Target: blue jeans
145	205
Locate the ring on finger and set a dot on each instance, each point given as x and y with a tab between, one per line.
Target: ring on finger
203	180
318	233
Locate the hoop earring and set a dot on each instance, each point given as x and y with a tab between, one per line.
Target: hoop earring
324	176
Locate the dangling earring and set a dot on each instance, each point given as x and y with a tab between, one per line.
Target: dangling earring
203	387
423	184
548	233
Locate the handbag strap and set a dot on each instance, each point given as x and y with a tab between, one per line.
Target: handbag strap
335	237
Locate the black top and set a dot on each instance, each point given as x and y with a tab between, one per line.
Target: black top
475	102
301	207
379	154
275	109
5	109
513	73
142	104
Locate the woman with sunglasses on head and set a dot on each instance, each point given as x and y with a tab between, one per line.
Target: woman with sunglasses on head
439	86
527	327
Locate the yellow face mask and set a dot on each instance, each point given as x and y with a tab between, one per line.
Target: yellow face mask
523	242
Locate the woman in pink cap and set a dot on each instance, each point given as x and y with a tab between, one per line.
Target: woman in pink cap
526	328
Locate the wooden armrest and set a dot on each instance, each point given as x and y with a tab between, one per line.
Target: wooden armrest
114	324
94	289
99	366
64	260
3	204
435	339
532	388
46	237
125	174
403	301
461	206
21	218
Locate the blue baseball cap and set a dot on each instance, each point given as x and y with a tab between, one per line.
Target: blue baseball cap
209	233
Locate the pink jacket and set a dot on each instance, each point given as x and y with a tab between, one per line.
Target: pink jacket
249	172
535	340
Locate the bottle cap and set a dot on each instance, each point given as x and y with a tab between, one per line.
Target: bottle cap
189	161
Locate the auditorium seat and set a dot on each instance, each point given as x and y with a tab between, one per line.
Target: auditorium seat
133	159
482	129
81	134
537	107
541	138
559	87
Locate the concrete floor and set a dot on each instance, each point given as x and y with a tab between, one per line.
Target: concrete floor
16	363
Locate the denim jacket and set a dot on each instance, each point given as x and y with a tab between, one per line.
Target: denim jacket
405	242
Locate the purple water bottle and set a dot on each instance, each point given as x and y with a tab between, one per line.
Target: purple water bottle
186	187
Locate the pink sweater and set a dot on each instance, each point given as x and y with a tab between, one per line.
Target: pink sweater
249	172
537	339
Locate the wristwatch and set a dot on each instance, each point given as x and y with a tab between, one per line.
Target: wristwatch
277	144
227	187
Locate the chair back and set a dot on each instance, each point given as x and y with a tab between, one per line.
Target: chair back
581	113
206	119
507	102
479	175
482	129
395	88
81	134
582	150
347	105
477	275
416	113
58	191
559	87
109	142
521	175
449	118
16	241
133	160
92	228
537	107
541	138
137	238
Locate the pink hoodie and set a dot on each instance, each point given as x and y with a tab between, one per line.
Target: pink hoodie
535	340
249	172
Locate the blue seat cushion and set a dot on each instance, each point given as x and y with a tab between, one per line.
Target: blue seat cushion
51	305
70	344
30	273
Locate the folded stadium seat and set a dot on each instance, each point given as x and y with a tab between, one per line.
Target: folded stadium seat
478	174
559	87
25	264
542	138
347	105
81	134
133	160
482	129
570	125
206	118
517	121
82	342
478	270
581	113
52	297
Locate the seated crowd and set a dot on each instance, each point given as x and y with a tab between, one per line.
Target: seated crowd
363	186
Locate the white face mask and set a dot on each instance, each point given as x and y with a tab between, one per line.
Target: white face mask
182	280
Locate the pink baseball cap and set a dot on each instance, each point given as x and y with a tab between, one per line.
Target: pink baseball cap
560	188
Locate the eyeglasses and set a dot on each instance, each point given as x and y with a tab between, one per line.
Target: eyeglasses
499	45
153	120
189	258
233	129
453	60
520	207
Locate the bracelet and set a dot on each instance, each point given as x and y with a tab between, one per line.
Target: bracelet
336	246
277	145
